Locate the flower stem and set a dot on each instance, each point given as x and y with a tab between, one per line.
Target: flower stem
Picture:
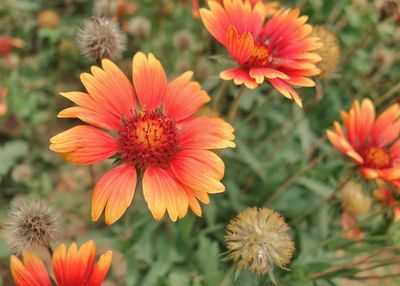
220	94
235	104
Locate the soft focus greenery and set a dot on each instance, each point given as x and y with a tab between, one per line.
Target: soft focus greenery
282	160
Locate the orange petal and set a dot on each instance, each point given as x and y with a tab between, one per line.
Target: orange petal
184	97
286	90
114	191
201	170
239	76
32	272
84	145
206	133
239	46
100	269
150	81
162	193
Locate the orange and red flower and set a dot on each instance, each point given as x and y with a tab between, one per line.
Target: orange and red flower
279	50
157	134
7	43
71	267
269	7
372	143
390	197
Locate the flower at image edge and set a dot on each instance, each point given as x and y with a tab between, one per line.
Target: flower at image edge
72	267
278	51
156	136
371	142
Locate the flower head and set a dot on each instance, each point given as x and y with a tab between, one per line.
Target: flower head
48	19
101	38
31	224
354	201
140	27
279	50
371	142
157	136
388	195
3	103
72	267
7	43
258	239
330	52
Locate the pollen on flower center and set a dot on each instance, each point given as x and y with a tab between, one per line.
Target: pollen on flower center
149	139
260	56
377	157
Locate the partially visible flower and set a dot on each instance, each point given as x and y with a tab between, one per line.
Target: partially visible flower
371	142
270	7
330	52
140	27
30	225
155	134
71	267
257	239
183	40
390	197
7	43
349	224
279	50
100	38
48	19
354	201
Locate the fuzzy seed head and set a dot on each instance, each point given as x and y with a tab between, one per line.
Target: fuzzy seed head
139	27
330	52
183	40
257	239
388	8
353	200
100	38
105	8
31	225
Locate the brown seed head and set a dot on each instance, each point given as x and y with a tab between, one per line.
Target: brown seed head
354	201
257	239
330	52
31	225
139	27
183	40
100	38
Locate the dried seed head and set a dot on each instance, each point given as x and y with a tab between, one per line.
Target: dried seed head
330	52
257	239
139	27
21	173
183	40
100	38
30	225
105	8
388	8
354	201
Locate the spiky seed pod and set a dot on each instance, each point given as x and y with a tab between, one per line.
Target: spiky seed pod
257	239
353	200
100	38
105	8
183	40
31	225
139	27
330	52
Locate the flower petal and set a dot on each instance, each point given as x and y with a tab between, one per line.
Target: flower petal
239	46
200	170
114	191
163	193
150	81
206	133
100	269
84	145
184	97
32	272
286	90
239	76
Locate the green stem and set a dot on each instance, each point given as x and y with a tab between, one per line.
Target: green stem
220	95
235	104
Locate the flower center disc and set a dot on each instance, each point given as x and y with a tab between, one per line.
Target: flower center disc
149	139
377	158
260	57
